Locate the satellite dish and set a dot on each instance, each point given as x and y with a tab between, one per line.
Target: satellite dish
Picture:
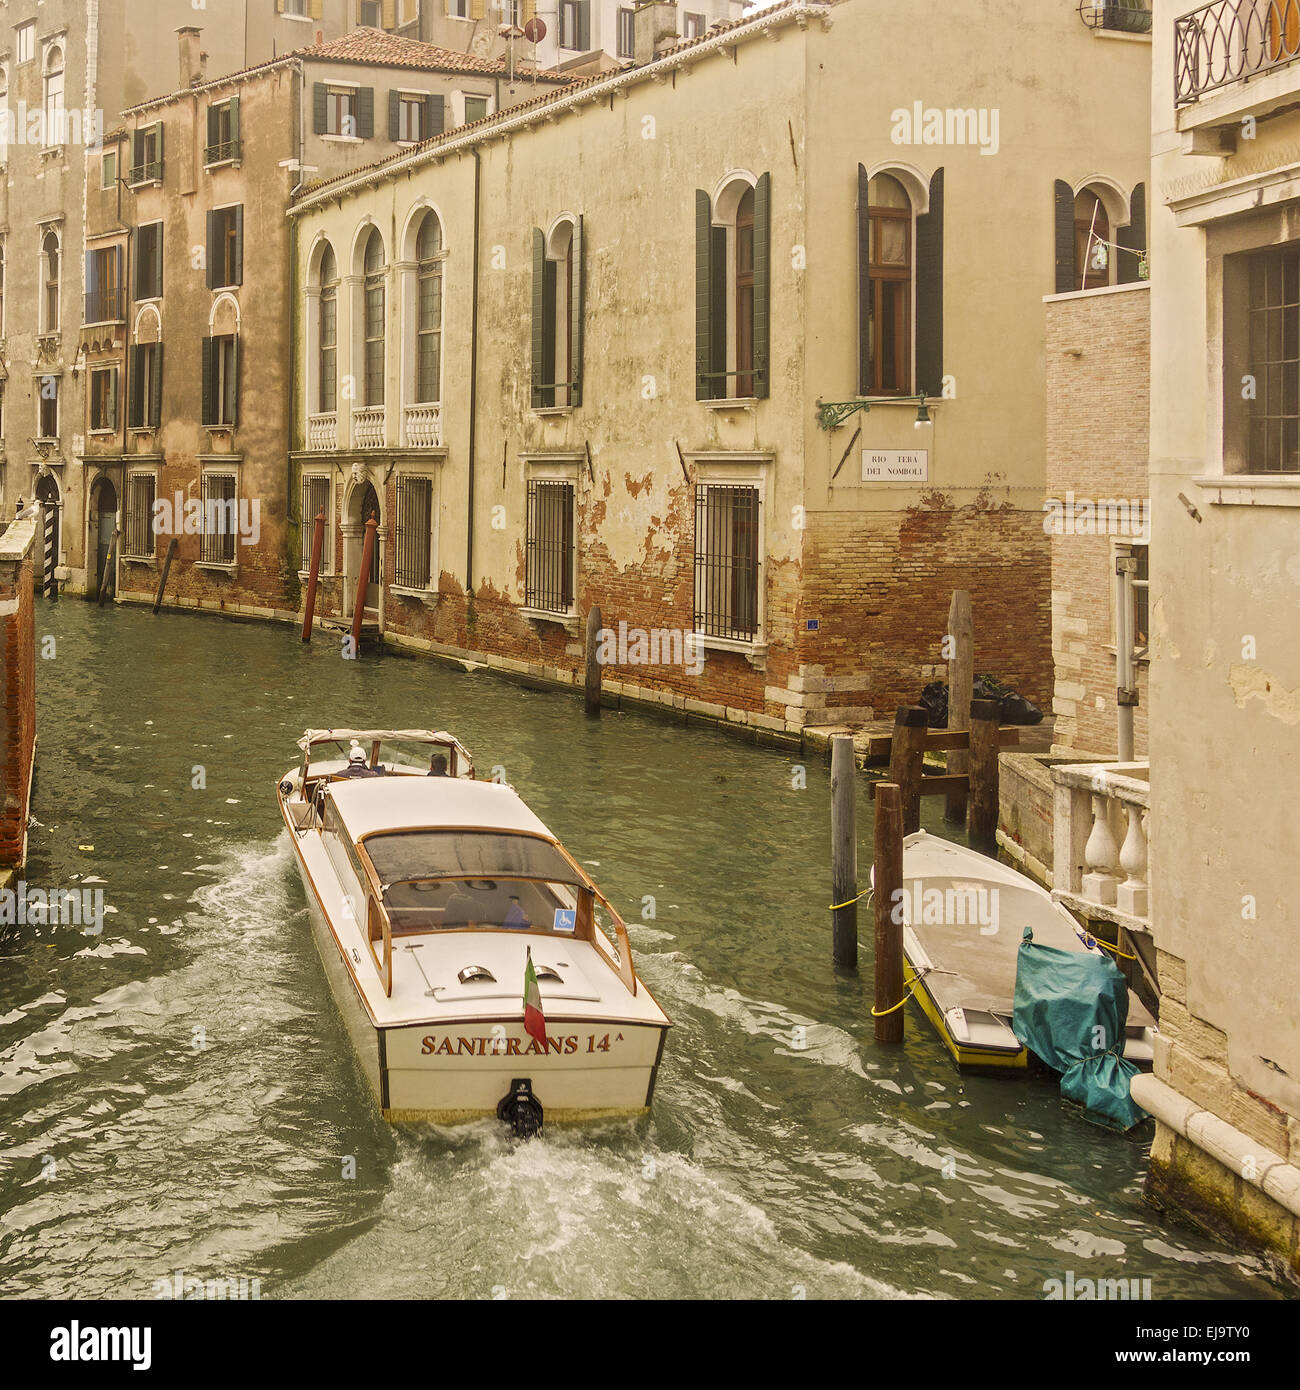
535	30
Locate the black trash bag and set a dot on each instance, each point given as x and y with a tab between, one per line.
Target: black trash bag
934	700
1017	710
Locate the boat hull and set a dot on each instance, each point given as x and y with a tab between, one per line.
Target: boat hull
451	1071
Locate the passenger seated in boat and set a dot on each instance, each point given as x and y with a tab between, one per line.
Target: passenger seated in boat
437	765
357	766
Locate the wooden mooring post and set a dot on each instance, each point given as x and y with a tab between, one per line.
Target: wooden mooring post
591	690
982	815
363	580
50	558
888	888
961	685
911	726
844	852
166	570
110	568
317	545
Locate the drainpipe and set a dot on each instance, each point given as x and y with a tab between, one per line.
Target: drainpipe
473	387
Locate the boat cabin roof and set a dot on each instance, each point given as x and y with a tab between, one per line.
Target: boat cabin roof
370	804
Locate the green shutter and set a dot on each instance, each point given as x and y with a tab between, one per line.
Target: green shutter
320	114
539	317
211	253
234	127
135	387
161	129
721	384
209	381
237	270
366	112
137	267
137	142
579	310
703	298
435	114
762	283
234	372
158	261
394	115
929	292
155	403
1134	237
864	284
1064	240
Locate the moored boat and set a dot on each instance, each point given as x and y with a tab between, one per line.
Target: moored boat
963	918
478	968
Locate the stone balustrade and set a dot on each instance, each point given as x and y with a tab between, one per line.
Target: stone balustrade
323	431
422	426
1100	841
368	427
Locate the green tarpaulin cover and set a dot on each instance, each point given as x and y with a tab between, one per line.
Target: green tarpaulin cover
1070	1009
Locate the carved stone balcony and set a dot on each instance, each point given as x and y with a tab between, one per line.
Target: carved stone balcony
1100	841
323	431
422	426
368	427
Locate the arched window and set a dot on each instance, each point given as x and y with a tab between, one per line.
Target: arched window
328	333
557	314
53	95
732	289
49	316
889	298
373	320
1091	233
428	299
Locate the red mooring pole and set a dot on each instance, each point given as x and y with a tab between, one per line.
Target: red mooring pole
363	577
317	544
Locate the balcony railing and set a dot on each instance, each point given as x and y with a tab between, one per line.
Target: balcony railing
368	427
105	306
1119	16
1099	854
221	152
1230	40
422	426
322	431
150	171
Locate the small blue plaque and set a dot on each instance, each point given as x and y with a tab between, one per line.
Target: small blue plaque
566	918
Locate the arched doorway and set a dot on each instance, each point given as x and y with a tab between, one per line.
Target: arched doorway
362	505
47	493
103	524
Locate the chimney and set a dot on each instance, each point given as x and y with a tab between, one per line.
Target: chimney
191	58
654	29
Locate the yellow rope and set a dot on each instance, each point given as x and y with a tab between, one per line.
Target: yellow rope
1097	941
880	1013
835	907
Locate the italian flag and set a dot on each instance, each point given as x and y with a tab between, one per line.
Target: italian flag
534	1020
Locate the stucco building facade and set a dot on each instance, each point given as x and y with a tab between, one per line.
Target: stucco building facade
688	315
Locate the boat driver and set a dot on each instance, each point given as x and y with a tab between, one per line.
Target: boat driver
357	766
437	765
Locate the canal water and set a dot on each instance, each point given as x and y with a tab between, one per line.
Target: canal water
178	1093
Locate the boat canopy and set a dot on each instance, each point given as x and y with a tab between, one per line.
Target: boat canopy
311	737
403	855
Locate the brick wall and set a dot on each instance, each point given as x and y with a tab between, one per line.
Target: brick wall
1098	405
17	688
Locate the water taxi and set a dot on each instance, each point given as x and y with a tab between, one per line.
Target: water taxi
963	918
477	967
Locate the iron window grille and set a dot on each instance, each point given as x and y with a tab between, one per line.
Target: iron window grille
414	533
139	542
315	498
726	561
549	558
220	519
1274	312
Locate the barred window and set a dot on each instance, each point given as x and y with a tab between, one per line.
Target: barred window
220	519
315	498
139	542
726	561
1274	413
414	533
549	570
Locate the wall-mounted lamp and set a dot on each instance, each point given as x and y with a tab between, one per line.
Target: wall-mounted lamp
832	414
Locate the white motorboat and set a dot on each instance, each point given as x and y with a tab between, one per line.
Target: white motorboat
964	915
437	901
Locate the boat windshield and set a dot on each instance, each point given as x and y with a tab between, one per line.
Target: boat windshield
456	879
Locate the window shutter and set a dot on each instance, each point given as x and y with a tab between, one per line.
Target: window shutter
161	129
137	142
319	108
209	380
158	261
92	277
703	297
212	128
234	127
135	387
584	26
212	250
1064	237
114	383
234	373
317	9
366	112
139	274
539	317
864	284
389	14
477	9
579	309
1134	236
155	404
435	114
394	115
237	270
762	282
929	292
